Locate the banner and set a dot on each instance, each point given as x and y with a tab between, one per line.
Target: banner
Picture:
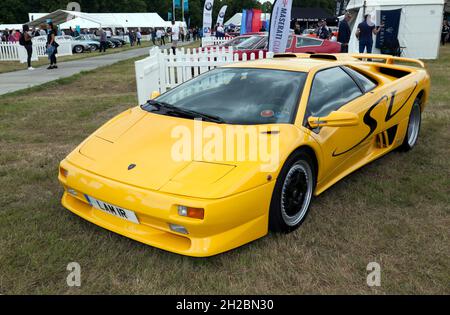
390	19
256	22
221	15
280	23
249	21
207	18
178	4
244	22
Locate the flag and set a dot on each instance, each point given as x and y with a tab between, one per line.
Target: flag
280	23
256	21
244	22
221	15
249	22
207	17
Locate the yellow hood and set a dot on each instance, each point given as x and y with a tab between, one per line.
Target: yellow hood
136	148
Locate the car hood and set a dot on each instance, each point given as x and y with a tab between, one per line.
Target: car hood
137	148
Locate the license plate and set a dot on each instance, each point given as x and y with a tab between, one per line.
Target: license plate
112	209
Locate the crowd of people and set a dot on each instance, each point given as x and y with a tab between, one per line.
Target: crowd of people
159	36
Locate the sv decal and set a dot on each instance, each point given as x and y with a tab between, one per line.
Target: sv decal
372	123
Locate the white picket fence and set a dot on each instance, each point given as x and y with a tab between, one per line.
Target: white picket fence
163	70
13	51
214	41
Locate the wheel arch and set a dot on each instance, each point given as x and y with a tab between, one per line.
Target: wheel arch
312	154
422	96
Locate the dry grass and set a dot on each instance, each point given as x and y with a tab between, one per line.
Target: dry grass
394	211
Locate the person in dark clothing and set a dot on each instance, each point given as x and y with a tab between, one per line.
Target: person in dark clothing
344	33
154	36
323	32
365	32
27	44
445	32
52	46
103	43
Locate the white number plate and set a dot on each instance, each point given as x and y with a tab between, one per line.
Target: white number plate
113	210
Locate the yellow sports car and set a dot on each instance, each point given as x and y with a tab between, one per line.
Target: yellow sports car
222	159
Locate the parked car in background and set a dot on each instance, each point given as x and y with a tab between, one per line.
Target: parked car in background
296	44
78	45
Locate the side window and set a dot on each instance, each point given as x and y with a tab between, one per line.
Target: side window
331	89
306	42
363	80
289	42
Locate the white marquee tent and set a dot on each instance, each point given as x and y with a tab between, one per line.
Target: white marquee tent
72	19
420	24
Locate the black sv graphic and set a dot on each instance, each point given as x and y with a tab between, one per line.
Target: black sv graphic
372	123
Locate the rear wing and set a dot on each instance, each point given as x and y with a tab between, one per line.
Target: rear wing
389	59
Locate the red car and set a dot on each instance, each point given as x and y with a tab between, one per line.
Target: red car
296	44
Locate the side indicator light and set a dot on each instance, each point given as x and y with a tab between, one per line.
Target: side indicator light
63	172
195	213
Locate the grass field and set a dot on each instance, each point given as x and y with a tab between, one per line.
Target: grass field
394	211
8	66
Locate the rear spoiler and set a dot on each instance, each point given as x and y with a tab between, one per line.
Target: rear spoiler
388	59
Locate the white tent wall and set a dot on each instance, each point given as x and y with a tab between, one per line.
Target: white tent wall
420	25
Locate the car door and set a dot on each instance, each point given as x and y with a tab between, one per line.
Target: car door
336	89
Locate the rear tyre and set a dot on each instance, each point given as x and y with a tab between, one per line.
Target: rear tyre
93	48
415	121
78	49
293	193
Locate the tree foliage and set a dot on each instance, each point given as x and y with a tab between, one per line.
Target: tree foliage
13	12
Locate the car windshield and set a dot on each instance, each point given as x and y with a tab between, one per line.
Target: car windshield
241	96
249	43
234	42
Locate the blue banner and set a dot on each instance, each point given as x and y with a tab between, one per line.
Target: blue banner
178	5
390	19
244	22
249	20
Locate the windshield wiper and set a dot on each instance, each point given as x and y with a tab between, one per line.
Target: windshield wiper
187	112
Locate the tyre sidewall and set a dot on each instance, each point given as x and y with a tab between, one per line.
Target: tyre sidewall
276	221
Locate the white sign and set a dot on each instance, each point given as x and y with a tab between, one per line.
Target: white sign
221	15
207	17
280	25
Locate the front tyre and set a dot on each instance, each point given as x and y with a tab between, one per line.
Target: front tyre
293	193
415	121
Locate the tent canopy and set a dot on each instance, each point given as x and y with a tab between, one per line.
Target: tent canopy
309	14
94	20
10	27
359	3
419	29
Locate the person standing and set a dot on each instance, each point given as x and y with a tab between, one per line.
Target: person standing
323	32
365	32
344	32
11	37
139	37
175	37
153	33
52	46
25	41
102	40
445	32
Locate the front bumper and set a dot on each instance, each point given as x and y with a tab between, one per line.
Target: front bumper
228	223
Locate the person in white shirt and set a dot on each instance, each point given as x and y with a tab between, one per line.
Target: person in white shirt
175	37
160	37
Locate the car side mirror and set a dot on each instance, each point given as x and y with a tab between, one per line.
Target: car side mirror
334	119
154	95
